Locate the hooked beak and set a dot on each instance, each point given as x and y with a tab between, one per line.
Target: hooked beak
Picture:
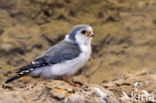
92	35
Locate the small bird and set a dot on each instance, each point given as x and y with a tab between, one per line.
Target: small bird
63	59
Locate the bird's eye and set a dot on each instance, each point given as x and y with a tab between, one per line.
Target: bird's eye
83	31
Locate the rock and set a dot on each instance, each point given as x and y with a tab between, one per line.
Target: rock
134	89
54	91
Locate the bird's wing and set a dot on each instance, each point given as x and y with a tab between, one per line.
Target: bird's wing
58	53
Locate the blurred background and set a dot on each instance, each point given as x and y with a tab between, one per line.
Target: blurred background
124	44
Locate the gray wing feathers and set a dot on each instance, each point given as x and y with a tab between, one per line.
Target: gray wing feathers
59	53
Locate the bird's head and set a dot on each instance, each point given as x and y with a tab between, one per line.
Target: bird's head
81	34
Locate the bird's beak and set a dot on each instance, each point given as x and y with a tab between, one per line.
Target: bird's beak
90	34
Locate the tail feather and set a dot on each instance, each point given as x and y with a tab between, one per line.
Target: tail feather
24	71
12	78
21	72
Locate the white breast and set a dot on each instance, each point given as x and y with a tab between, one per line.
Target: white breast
71	66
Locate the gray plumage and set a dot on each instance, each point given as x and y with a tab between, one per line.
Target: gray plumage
59	53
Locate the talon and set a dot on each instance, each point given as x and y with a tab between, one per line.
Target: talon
70	83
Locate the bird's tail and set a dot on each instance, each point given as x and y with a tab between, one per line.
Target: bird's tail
20	72
13	78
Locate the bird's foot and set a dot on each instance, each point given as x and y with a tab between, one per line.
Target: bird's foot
70	83
77	85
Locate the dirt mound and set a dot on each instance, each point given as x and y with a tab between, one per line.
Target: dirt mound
55	92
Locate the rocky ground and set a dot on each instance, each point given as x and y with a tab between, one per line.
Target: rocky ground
54	92
124	47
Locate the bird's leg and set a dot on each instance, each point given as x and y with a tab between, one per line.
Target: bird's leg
72	84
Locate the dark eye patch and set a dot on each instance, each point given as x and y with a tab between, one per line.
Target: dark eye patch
83	31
